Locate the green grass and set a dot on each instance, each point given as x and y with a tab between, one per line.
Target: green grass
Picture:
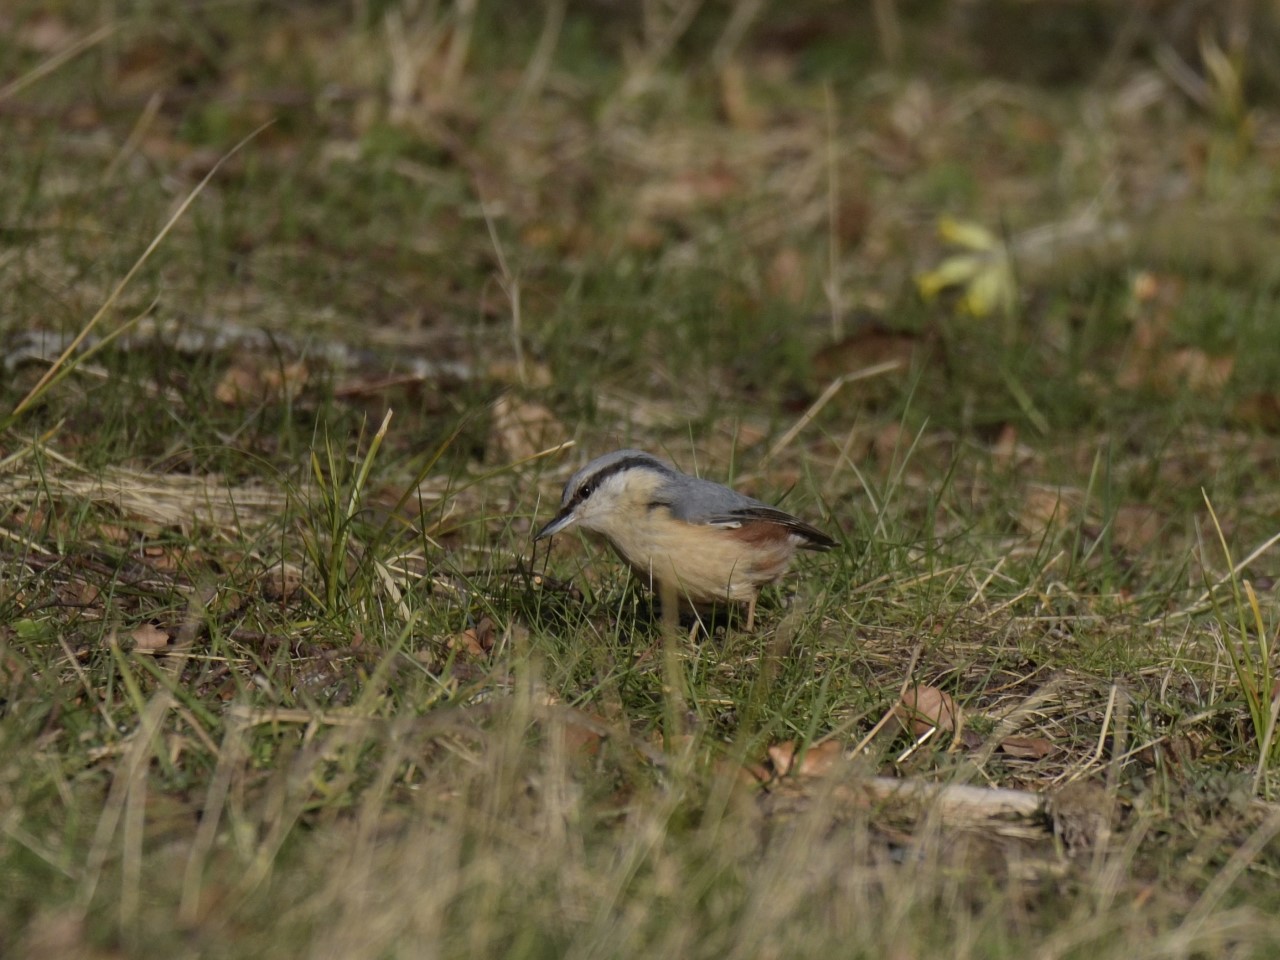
386	726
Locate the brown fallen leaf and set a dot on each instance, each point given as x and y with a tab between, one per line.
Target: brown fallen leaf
475	641
250	380
149	637
1154	363
282	582
523	428
890	444
751	774
1048	508
1027	748
44	33
786	278
674	199
12	669
1135	526
870	346
781	756
817	761
469	643
925	707
237	385
79	593
735	100
642	236
1005	452
1201	372
820	759
1156	298
113	533
583	733
1260	409
531	373
168	559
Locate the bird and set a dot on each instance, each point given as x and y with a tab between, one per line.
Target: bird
691	539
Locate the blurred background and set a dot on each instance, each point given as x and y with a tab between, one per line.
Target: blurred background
716	207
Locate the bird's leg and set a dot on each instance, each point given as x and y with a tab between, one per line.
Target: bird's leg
751	613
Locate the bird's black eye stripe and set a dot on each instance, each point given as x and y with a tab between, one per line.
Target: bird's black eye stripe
592	483
584	491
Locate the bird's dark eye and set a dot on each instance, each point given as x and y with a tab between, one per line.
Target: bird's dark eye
585	490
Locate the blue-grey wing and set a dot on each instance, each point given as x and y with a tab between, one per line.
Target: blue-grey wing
695	500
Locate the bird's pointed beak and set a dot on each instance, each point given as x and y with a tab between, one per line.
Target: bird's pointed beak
559	522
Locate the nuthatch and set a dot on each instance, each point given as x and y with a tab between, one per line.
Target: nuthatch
687	537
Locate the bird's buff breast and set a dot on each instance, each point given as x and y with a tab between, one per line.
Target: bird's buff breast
706	564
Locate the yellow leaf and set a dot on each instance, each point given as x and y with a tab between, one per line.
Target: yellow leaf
991	291
972	236
952	272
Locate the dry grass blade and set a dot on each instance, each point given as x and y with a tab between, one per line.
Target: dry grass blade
61	365
1241	859
87	42
823	399
127	780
